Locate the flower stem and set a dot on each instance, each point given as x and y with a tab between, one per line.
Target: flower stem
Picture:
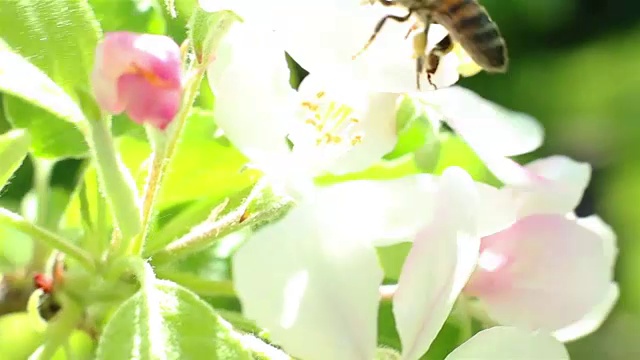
162	155
46	237
41	179
207	233
116	181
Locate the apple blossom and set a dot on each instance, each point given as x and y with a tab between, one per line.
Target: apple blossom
318	295
548	270
333	123
139	74
322	35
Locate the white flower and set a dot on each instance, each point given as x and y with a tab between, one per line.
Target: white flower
312	278
321	35
333	122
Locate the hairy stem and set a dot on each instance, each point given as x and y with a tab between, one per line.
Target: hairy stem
207	233
116	181
162	155
47	237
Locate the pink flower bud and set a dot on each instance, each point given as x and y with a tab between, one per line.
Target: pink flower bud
140	75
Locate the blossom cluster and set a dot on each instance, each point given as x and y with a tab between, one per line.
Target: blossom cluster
515	257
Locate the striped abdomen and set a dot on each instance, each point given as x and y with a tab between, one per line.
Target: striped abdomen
469	24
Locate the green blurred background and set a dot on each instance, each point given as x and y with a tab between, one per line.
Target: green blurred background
575	65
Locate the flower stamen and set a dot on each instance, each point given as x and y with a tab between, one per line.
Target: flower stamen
332	122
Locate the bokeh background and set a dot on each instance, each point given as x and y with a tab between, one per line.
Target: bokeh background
575	65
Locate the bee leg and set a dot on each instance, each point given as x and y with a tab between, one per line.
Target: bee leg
419	67
379	27
420	47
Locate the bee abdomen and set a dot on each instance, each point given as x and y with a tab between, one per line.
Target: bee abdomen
470	24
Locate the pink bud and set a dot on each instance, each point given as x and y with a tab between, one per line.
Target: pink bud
140	75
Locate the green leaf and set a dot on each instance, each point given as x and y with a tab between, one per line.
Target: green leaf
59	37
390	169
14	146
142	16
207	29
455	152
20	78
392	258
166	321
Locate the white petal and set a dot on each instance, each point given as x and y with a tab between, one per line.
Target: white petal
606	233
318	34
438	265
488	128
544	272
361	124
508	343
314	287
498	209
593	320
323	34
254	101
388	211
553	185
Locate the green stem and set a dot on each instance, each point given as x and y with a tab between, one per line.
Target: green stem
60	328
162	157
198	285
207	233
463	319
42	177
41	180
46	237
116	181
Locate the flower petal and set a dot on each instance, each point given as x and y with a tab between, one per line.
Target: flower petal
553	185
350	127
499	209
311	285
440	262
388	211
544	272
318	294
148	103
254	101
507	343
488	128
593	320
606	233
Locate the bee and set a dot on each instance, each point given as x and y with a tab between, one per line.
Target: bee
467	23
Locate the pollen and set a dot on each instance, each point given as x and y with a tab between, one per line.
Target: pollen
332	123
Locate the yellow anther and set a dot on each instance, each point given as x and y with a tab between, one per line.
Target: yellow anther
320	94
